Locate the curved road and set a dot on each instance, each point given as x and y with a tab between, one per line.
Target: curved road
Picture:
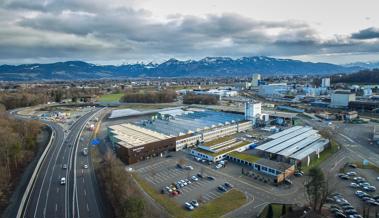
79	197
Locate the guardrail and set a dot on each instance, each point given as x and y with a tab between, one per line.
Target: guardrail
21	208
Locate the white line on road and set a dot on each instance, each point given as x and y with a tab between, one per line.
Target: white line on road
56	207
85	192
87	207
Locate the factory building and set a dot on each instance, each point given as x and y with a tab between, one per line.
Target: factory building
298	144
255	80
273	90
217	149
133	143
173	130
277	171
253	111
325	82
341	98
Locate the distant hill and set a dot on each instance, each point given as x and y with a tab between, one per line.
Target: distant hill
207	67
367	65
362	77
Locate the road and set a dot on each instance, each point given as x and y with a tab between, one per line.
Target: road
79	196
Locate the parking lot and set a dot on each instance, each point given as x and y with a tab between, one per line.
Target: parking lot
351	193
166	173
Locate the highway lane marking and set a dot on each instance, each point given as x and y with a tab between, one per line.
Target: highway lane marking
56	207
57	190
44	177
87	207
260	205
85	192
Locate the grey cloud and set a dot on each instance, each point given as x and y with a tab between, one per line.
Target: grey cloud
94	29
369	33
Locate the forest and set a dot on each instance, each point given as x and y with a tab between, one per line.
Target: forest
18	146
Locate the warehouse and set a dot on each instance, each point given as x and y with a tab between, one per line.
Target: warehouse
294	145
277	171
192	126
133	143
217	150
173	130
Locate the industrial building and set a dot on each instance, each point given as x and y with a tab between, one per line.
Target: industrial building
133	143
325	82
341	98
255	79
253	110
294	145
173	130
278	171
273	90
217	149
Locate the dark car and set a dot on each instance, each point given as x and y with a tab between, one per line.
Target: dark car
340	215
200	175
221	188
211	178
353	165
228	185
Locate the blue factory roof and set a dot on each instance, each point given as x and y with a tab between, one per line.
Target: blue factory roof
191	122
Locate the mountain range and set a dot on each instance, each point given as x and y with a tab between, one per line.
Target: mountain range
206	67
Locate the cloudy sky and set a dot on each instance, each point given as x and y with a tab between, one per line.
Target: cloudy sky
127	31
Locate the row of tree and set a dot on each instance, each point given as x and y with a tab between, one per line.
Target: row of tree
121	190
364	76
200	99
165	96
21	99
18	146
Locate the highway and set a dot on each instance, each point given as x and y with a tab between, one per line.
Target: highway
79	196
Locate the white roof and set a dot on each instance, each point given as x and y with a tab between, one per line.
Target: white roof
300	145
123	113
277	141
130	135
284	132
314	147
291	141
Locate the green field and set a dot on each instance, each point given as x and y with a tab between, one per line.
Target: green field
111	97
328	152
212	209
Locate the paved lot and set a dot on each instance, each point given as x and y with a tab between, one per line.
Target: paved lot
161	172
165	172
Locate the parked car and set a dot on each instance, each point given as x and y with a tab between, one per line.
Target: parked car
218	166
194	178
228	185
221	188
353	165
352	173
188	167
344	177
195	203
211	178
199	175
64	166
298	174
188	206
354	185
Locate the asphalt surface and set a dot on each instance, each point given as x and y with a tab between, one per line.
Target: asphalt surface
78	197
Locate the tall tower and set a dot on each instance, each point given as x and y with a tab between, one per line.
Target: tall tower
252	110
255	79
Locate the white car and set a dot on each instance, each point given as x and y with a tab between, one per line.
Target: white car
218	166
194	178
377	178
188	206
63	180
85	166
352	173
